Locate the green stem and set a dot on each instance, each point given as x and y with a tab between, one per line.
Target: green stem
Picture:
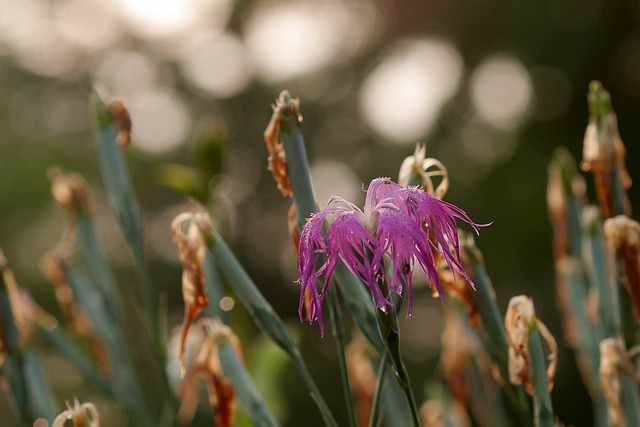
263	315
498	346
337	329
376	409
391	334
541	396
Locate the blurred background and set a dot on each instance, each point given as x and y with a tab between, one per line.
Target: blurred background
490	86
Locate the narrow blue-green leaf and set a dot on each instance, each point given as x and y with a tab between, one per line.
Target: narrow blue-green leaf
595	258
118	185
244	387
213	288
497	346
42	399
61	342
589	337
116	176
258	307
90	299
97	265
543	410
124	382
629	400
11	369
264	316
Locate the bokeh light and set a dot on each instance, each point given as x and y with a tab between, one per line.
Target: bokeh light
163	18
91	24
161	119
335	178
218	65
126	71
402	97
502	91
291	39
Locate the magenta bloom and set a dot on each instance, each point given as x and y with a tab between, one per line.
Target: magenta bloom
404	225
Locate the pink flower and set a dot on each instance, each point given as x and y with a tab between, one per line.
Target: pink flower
406	226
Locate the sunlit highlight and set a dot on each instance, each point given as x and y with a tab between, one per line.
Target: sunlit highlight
501	91
402	98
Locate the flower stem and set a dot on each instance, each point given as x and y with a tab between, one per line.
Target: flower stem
388	323
337	329
376	408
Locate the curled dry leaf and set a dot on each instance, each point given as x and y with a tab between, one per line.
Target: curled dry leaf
456	285
80	415
122	122
614	359
285	105
204	341
424	169
187	229
518	321
623	240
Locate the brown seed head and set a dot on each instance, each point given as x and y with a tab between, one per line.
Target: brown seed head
604	151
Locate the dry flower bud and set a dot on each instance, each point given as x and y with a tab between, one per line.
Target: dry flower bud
187	229
623	240
69	190
79	414
614	359
604	151
53	266
277	156
419	168
122	122
518	321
